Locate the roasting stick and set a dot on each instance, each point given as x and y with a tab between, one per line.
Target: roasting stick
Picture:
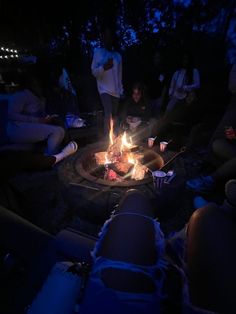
182	150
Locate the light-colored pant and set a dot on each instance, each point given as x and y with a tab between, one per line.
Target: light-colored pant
110	105
30	133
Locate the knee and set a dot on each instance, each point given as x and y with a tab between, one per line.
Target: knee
60	132
218	147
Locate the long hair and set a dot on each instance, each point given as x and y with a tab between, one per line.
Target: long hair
142	89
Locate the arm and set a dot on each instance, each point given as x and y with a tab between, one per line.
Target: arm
15	108
97	67
196	82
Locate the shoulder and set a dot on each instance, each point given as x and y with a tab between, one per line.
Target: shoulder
98	51
117	55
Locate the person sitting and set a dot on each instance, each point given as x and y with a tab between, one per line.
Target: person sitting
136	114
210	254
130	270
182	109
13	163
28	121
225	151
184	85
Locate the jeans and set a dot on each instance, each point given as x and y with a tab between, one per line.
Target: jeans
29	133
110	105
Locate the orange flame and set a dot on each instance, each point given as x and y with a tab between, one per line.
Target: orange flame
131	159
125	143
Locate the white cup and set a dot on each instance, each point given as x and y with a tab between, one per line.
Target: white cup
158	179
163	146
151	141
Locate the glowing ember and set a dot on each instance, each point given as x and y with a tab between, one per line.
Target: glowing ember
119	160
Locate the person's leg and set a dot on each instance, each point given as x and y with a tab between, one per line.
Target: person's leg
135	245
35	132
115	106
21	237
223	149
225	172
106	100
211	259
14	162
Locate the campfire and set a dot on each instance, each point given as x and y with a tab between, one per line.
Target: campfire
121	160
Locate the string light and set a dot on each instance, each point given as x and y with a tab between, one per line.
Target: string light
14	53
10	56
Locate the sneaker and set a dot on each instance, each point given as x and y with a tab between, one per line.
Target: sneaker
201	184
69	149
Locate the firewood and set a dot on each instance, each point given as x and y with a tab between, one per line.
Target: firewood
100	158
138	172
121	168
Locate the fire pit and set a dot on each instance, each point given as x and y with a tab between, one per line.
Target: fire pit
119	163
88	168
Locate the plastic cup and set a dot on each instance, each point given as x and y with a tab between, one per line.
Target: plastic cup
163	146
158	179
151	141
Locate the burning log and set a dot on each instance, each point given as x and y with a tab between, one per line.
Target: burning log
139	171
114	150
101	158
121	159
121	168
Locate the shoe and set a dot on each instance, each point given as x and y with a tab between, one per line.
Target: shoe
69	149
201	184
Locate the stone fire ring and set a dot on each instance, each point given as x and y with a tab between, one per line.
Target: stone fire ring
85	165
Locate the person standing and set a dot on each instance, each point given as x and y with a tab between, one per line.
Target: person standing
107	69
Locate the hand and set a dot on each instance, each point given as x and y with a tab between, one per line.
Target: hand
230	133
108	65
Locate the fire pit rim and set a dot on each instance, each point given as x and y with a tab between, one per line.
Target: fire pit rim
102	146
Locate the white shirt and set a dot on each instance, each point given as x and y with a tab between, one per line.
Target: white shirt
179	81
232	79
109	81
